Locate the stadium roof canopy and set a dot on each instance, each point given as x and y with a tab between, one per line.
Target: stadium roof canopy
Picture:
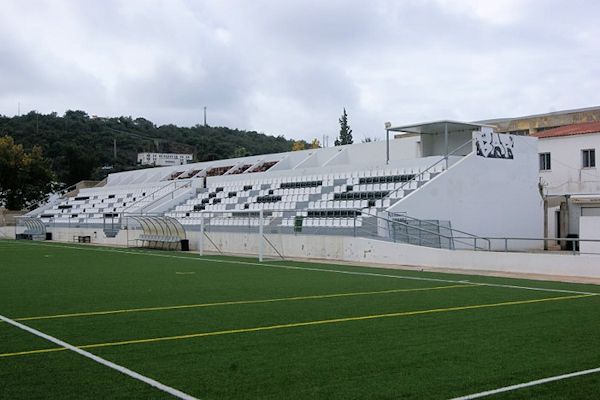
439	127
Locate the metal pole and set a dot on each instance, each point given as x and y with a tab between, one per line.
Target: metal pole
446	142
387	147
545	223
261	243
201	238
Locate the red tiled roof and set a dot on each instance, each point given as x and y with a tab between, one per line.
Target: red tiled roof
569	130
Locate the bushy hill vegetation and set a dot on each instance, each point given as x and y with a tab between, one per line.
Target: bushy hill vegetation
79	146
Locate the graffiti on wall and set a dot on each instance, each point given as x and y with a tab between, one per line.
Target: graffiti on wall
494	145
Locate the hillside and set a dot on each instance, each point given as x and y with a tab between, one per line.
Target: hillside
81	147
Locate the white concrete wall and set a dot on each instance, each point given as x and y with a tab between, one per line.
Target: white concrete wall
361	155
7	232
589	228
363	250
434	144
567	175
369	251
96	234
485	196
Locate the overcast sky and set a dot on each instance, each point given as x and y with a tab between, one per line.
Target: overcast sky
289	67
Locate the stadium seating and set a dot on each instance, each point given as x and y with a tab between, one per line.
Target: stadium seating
332	200
93	205
336	188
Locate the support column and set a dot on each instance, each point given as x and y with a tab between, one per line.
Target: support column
446	142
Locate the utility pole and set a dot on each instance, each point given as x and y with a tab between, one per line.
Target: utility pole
19	109
205	116
115	149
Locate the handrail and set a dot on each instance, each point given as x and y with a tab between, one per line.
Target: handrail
171	193
452	230
422	229
422	222
189	183
444	158
421	239
46	199
544	239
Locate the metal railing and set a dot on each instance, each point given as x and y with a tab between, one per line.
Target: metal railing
444	158
390	233
452	240
47	199
154	197
573	248
452	230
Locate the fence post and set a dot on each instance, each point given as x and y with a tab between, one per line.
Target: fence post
505	244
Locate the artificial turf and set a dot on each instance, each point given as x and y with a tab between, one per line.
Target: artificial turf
283	330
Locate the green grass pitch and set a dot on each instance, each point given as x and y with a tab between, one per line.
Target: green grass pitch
230	328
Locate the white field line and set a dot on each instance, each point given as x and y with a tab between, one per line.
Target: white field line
336	271
527	384
100	360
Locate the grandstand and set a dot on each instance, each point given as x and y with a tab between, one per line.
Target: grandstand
432	181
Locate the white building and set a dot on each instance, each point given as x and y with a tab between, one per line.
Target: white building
163	159
571	180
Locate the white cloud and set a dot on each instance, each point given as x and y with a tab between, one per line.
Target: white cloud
494	12
290	67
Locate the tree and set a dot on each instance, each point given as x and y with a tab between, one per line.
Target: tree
315	144
24	177
78	145
368	139
298	145
345	131
240	152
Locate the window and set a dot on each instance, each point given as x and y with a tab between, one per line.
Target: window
588	158
544	161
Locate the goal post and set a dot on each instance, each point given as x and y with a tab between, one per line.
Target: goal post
256	233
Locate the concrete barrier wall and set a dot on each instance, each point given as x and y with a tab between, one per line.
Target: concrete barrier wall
361	250
7	232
